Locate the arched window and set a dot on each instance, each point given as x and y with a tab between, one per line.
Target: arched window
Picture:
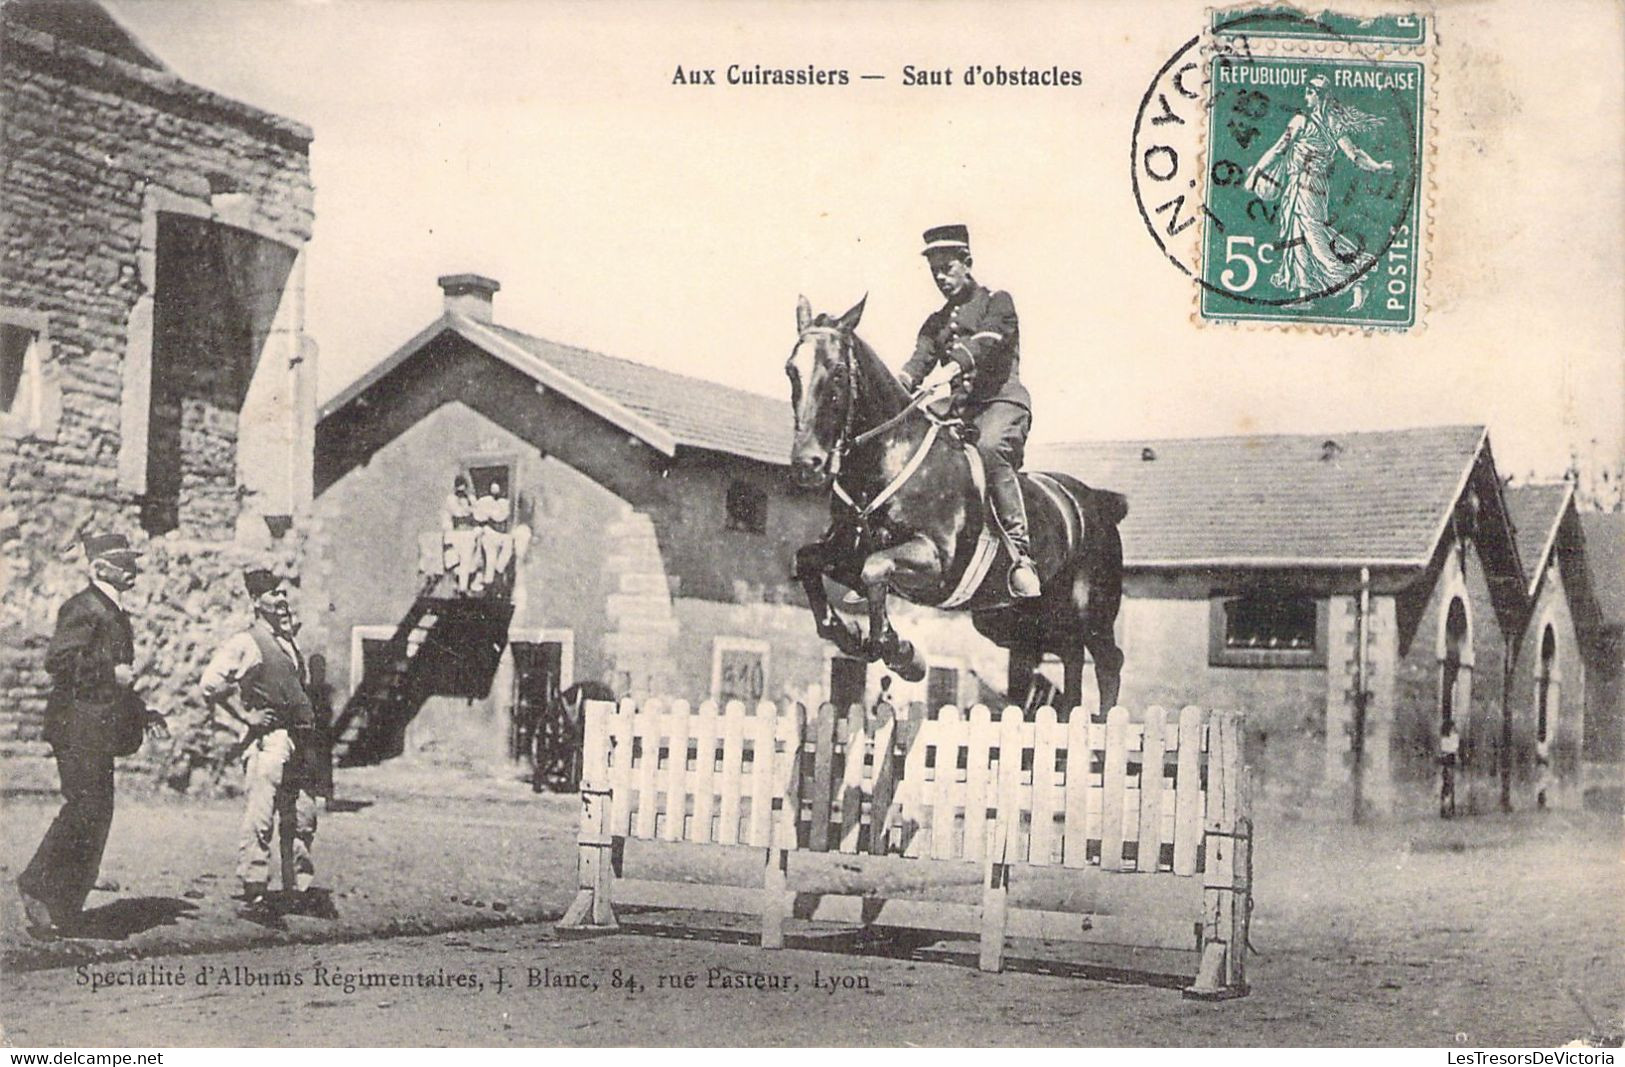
1455	662
1546	690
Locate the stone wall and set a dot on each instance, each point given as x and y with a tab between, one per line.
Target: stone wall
96	153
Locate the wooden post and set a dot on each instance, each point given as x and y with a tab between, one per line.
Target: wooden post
775	894
995	898
782	797
1226	893
593	907
1005	791
597	849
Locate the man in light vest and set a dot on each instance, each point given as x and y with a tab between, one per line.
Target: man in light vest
264	670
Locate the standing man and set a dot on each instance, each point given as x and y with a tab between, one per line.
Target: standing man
492	511
266	672
1543	770
1449	759
92	716
975	339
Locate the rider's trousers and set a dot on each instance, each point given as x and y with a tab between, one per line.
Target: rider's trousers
1001	429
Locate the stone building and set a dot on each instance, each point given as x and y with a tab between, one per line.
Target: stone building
1259	569
659	525
154	371
653	522
1549	679
1603	748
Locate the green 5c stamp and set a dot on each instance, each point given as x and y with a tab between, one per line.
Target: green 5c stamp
1313	184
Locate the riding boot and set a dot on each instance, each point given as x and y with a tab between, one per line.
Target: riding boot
1004	492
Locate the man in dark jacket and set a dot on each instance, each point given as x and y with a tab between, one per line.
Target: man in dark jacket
975	338
264	669
92	716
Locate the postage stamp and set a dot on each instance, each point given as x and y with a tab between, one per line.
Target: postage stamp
1314	168
1280	160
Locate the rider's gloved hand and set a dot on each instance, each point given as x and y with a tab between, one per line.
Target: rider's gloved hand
940	374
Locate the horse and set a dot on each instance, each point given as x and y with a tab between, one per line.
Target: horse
907	516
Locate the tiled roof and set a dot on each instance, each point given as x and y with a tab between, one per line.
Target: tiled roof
1372	498
1535	511
1605	555
1330	499
697	413
86	23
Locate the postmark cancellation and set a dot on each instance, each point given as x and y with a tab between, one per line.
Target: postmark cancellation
1281	160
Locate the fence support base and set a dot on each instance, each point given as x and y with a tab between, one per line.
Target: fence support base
775	897
1210	975
593	907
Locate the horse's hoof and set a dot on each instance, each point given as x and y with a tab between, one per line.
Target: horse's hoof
909	664
845	637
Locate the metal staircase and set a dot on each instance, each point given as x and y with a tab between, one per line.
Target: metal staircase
390	694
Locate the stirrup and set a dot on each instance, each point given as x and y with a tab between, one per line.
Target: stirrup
1020	589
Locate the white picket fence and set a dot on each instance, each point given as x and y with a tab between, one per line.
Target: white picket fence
1158	793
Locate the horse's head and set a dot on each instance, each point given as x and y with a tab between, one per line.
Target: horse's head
824	386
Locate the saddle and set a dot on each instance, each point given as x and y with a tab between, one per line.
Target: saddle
1096	506
992	536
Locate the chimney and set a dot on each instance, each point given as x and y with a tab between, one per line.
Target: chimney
469	294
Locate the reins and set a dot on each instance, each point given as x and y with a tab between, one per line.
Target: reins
920	399
847	442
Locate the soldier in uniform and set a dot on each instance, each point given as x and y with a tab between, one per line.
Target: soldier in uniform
265	669
92	716
974	341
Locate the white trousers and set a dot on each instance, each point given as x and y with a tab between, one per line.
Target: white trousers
275	795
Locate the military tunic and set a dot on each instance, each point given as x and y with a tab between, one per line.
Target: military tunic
981	334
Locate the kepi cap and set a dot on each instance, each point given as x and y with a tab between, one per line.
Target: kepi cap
259	581
101	546
951	238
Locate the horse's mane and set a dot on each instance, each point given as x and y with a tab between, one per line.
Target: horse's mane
877	384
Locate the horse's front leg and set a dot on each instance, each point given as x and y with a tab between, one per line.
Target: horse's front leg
812	563
914	562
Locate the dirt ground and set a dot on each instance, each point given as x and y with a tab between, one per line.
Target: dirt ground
1485	931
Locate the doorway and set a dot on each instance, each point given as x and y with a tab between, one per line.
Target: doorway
537	682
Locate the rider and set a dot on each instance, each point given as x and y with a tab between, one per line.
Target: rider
974	337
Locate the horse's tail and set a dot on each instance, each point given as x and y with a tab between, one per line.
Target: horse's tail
1109	506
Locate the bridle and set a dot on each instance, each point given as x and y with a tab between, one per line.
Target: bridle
845	442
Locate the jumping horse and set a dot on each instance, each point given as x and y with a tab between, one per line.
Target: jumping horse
908	517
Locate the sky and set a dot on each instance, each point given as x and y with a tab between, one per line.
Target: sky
545	145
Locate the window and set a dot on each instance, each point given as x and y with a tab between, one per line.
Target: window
739	669
1267	630
217	419
747	508
1259	622
22	376
483	476
1546	683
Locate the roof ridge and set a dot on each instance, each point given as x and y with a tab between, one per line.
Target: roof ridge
581	350
1476	428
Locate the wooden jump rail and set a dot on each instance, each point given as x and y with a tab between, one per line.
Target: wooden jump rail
1149	795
